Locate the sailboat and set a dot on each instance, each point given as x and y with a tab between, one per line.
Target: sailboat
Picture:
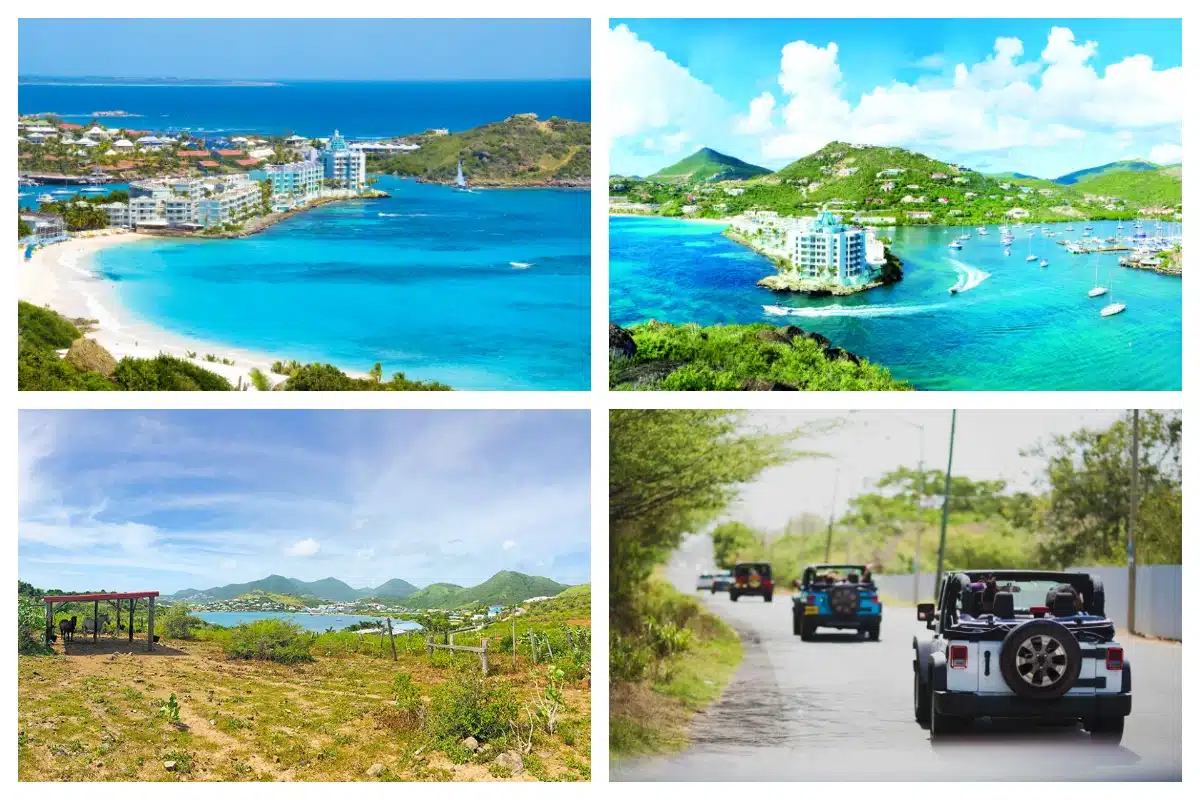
1031	256
1044	263
460	182
1114	307
1097	290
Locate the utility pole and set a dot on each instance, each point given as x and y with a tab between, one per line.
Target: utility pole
832	506
945	504
1131	552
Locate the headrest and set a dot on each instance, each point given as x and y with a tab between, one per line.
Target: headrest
1002	605
1063	605
972	602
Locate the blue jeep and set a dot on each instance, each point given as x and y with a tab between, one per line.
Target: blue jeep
839	596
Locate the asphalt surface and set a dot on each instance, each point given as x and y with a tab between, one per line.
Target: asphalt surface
838	708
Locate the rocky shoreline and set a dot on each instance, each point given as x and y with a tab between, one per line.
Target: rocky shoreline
787	283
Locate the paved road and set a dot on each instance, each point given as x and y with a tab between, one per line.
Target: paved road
841	709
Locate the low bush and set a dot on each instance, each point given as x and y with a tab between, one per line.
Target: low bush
179	624
468	704
275	640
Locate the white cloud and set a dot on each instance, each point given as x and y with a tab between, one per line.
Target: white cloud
509	544
366	552
228	564
652	97
758	119
303	548
931	61
1167	154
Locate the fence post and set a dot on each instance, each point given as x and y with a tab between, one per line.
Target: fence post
514	641
50	623
429	646
391	638
483	657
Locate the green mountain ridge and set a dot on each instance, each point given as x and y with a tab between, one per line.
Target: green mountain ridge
1129	165
503	588
707	164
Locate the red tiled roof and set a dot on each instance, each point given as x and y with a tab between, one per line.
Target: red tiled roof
132	132
229	153
70	126
209	164
192	153
25	155
247	162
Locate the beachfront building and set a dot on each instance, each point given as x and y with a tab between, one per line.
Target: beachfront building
183	202
292	185
47	228
823	249
345	166
231	199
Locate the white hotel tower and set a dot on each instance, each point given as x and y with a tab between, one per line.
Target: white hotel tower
823	249
345	166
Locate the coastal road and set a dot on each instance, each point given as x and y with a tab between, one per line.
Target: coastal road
840	709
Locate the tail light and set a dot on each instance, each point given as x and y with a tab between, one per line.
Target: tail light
767	582
1114	659
1039	611
810	599
958	656
872	598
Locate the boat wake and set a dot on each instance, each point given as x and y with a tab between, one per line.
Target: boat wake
520	264
851	311
386	214
968	277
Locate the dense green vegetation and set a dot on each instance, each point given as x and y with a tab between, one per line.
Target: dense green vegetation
891	183
503	588
738	357
88	367
1075	516
520	151
1129	165
83	212
707	164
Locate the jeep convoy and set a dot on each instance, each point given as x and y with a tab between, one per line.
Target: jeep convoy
1020	644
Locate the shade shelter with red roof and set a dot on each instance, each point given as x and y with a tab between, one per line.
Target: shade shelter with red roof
113	598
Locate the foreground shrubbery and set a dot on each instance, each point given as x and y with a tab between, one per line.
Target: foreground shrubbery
268	640
741	357
328	378
31	625
179	624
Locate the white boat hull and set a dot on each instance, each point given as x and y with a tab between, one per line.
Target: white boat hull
1111	309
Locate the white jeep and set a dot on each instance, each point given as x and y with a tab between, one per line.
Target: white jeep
1020	644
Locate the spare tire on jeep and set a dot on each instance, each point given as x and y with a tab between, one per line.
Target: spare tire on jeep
843	600
1040	660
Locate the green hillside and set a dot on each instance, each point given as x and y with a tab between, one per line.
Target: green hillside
328	589
393	588
1159	187
520	151
503	588
707	164
1131	165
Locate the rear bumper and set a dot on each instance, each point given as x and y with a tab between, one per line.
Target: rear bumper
763	590
966	704
860	622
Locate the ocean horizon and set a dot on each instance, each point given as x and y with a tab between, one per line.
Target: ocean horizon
1014	326
357	109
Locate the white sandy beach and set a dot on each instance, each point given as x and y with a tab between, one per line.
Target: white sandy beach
58	276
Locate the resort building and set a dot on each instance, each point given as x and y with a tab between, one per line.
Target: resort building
823	249
186	202
46	227
292	185
345	166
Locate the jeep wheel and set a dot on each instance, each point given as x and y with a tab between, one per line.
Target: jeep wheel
920	700
873	633
733	596
797	625
941	724
807	629
768	597
1107	730
1040	660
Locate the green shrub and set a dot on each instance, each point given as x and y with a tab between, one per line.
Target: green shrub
166	374
269	640
42	327
468	704
179	624
260	380
31	622
41	370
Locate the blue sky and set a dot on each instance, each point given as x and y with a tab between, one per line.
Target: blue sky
192	499
297	49
1039	96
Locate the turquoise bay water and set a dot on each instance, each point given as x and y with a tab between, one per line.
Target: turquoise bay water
310	622
482	290
1018	326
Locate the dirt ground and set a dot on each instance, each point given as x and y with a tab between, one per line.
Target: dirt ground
95	714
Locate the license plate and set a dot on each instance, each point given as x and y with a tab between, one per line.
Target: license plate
811	610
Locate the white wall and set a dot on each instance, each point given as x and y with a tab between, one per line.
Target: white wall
1159	596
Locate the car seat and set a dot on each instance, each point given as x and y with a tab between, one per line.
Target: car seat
1002	605
1064	604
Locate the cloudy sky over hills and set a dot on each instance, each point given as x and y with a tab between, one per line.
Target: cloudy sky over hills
1042	97
170	500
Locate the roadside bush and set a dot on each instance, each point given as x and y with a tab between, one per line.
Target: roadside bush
468	704
166	374
275	640
179	624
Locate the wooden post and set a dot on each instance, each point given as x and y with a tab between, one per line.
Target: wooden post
429	646
391	638
150	626
483	657
50	623
95	621
132	608
117	626
514	641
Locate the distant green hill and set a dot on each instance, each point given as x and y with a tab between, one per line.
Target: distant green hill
707	164
1140	182
520	151
393	588
328	589
1131	165
503	588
